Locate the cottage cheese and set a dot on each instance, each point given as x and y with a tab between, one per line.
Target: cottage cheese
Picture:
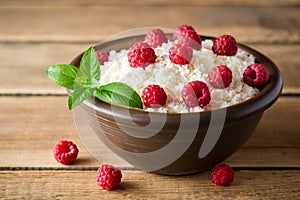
172	77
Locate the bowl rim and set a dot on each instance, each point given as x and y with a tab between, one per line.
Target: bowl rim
258	103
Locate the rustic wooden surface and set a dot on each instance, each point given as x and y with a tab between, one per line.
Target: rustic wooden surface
34	115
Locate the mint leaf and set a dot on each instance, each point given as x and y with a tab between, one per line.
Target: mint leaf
120	94
87	78
89	66
78	96
63	75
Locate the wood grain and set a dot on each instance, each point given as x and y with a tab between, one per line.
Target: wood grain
27	74
248	184
51	3
66	24
32	125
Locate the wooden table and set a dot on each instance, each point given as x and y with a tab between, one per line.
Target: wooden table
34	116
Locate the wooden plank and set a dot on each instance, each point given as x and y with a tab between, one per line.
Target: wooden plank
279	125
30	127
286	58
26	74
248	184
20	3
248	24
253	157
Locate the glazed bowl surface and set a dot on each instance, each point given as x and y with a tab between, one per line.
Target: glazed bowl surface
178	143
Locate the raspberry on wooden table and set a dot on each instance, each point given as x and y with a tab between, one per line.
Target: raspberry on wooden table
196	93
256	75
65	152
154	96
222	175
108	177
155	38
225	45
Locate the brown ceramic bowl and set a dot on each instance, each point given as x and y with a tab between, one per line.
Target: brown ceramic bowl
186	143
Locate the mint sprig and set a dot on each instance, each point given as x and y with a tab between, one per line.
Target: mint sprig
87	78
63	75
119	93
85	82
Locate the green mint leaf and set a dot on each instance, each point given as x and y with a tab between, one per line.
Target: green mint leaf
89	67
120	94
79	95
87	78
63	75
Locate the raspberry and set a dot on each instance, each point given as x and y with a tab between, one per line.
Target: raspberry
225	45
180	29
102	56
220	77
154	96
180	54
222	175
139	45
65	152
196	93
186	35
155	38
108	177
141	55
256	75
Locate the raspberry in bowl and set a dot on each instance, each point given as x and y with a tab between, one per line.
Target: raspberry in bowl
199	104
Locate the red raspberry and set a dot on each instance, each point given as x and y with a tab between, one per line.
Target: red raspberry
186	35
222	175
196	93
139	45
141	55
154	96
108	177
180	54
102	57
65	152
180	29
225	45
256	75
220	77
155	38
